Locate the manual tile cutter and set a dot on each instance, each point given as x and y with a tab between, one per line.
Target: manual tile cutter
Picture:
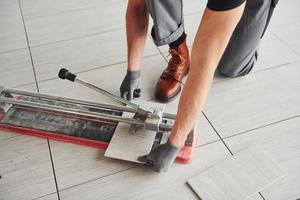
82	122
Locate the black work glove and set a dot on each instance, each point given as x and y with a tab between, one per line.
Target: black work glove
129	87
160	158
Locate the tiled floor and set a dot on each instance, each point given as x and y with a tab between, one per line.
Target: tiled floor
88	36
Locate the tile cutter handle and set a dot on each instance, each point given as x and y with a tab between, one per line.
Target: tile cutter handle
65	74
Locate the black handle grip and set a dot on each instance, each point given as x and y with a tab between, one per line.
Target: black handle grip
65	74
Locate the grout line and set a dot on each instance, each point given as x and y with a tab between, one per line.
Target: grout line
63	12
8	137
217	133
261	196
283	42
29	49
53	169
263	126
36	198
91	69
12	50
97	178
78	37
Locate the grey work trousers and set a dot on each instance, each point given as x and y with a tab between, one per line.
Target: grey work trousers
242	50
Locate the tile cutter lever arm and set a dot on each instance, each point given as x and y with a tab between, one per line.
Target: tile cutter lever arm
151	119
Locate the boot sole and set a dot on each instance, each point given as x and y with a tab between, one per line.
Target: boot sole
164	99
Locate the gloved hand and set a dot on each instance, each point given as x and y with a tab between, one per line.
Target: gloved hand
129	87
160	158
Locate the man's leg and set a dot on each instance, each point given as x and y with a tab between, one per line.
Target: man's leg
168	28
242	50
137	18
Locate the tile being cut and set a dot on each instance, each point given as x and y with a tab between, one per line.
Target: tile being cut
128	146
237	178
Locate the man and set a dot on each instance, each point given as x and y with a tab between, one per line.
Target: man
227	40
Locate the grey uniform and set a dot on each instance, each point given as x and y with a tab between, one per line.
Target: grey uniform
242	50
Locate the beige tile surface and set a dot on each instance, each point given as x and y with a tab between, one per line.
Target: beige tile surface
281	142
9	10
80	164
15	68
76	24
12	35
84	54
288	33
6	134
25	168
286	12
258	99
239	177
274	52
138	182
36	8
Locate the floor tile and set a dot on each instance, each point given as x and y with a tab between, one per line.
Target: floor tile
71	171
12	35
16	68
36	8
285	13
83	54
25	168
9	10
274	52
241	176
138	182
281	141
255	100
174	191
289	34
5	135
76	24
192	7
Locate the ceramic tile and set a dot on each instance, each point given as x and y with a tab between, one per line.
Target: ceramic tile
15	68
239	177
79	164
12	35
72	25
141	140
289	34
26	170
274	52
281	142
245	103
83	54
137	182
9	10
36	8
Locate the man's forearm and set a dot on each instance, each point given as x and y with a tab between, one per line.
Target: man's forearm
210	42
137	18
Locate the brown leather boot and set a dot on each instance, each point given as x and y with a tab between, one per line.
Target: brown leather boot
169	83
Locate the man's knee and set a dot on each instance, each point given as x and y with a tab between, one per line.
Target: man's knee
230	69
